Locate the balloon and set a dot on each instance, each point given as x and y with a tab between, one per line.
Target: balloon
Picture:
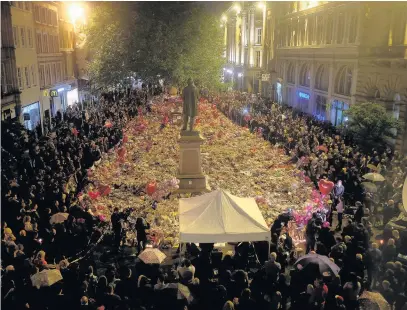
94	195
151	188
325	186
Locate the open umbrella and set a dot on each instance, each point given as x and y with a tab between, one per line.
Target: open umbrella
373	301
323	263
152	256
46	278
373	167
370	187
59	218
374	177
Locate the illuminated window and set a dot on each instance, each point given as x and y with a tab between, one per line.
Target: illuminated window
322	78
19	78
258	37
337	109
340	29
291	74
353	28
27	77
343	81
305	75
320	112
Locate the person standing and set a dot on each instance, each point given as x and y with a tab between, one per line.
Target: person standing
339	210
117	227
141	227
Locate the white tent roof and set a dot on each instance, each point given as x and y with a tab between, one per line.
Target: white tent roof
221	217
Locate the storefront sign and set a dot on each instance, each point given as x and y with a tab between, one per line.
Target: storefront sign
45	93
303	95
53	93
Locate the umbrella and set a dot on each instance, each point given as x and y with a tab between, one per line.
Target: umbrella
373	301
152	256
374	177
323	263
46	278
370	187
59	218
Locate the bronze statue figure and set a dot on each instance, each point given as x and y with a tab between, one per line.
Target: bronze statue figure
190	95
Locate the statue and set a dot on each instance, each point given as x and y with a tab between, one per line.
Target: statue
190	95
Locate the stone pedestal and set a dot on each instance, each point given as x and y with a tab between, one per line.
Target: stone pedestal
192	180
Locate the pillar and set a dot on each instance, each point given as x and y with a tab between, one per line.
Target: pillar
243	25
263	39
233	39
237	45
251	36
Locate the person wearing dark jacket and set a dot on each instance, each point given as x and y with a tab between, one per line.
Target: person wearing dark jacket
141	227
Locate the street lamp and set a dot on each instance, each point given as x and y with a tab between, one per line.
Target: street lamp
261	5
224	18
236	7
75	12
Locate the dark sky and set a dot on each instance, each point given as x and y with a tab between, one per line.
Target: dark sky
217	7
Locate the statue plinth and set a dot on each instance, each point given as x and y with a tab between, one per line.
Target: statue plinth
190	175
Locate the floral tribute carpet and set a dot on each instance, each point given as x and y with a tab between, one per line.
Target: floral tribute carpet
141	173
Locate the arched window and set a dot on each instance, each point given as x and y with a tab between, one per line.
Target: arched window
305	75
343	82
291	73
322	78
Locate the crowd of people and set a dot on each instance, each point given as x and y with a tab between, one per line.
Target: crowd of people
42	176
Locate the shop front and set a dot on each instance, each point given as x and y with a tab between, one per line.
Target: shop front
32	115
320	107
303	101
338	108
72	96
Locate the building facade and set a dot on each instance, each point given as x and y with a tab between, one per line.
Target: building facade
326	56
245	32
43	39
10	93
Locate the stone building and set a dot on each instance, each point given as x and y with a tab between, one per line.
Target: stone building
326	56
245	31
10	94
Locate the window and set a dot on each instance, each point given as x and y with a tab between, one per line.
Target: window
27	77
59	72
20	5
353	28
320	112
310	30
42	76
30	37
36	13
19	78
56	44
3	80
33	76
291	74
39	43
319	30
257	63
45	43
329	29
22	36
341	28
42	15
302	33
258	35
344	81
305	75
15	36
51	43
337	115
27	5
53	73
48	74
322	78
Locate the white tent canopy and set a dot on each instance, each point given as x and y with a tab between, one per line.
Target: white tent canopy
221	217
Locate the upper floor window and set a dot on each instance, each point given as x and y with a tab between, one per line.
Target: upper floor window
258	35
15	36
30	37
22	35
19	78
353	28
257	63
329	29
39	43
319	29
305	75
322	78
343	82
399	27
340	31
291	73
33	76
45	43
37	13
42	76
27	76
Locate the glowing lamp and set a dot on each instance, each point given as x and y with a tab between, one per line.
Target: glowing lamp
75	12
